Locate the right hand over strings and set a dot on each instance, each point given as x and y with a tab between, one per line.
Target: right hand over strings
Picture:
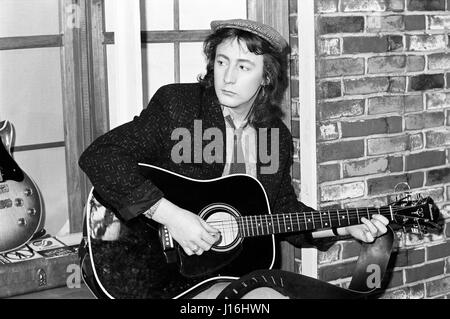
191	232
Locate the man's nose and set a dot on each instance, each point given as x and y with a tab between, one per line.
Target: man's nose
230	75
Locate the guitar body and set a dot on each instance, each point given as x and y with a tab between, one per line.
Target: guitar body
20	202
220	202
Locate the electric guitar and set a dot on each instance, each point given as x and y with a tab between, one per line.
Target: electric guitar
21	212
238	207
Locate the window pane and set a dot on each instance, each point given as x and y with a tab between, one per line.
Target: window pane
47	169
157	68
28	17
192	61
197	14
156	15
30	94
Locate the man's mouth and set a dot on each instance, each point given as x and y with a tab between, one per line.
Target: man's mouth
229	93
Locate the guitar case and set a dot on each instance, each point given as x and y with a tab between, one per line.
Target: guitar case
373	260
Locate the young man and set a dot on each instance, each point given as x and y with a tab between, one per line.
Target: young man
239	96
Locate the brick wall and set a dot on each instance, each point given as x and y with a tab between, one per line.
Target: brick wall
383	117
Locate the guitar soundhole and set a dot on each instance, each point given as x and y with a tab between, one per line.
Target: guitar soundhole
224	218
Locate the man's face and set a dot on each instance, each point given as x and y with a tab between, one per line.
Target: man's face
238	73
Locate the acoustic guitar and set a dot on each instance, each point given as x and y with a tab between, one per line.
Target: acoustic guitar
237	205
21	213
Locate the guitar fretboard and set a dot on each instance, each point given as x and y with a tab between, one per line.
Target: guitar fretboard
259	225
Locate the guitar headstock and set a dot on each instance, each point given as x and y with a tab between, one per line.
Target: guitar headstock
418	215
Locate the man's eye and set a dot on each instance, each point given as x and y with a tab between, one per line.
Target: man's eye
219	62
244	68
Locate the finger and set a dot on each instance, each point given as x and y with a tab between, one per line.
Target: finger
188	251
199	251
380	226
371	227
202	245
208	227
381	218
211	239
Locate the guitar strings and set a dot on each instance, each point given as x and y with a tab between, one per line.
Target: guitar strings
251	222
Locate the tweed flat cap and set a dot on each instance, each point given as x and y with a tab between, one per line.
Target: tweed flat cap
263	30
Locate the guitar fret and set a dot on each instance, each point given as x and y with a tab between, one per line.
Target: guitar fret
306	225
290	217
329	217
273	224
390	208
338	218
278	222
348	217
321	221
368	214
285	223
357	214
312	217
257	225
248	229
267	225
298	222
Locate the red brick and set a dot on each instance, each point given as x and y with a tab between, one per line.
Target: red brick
369	44
438	176
357	5
414	22
385	23
425	5
375	85
438	22
386	64
329	46
346	108
426	82
438	251
366	167
352	24
386	184
417	291
397	104
340	150
392	279
386	145
424	272
438	286
425	159
439	61
415	63
367	202
391	124
323	6
425	42
420	121
336	192
407	257
328	132
437	100
330	172
341	67
438	138
329	89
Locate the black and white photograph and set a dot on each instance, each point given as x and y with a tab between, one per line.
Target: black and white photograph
198	151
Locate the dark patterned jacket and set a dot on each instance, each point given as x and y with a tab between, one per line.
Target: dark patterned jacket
110	161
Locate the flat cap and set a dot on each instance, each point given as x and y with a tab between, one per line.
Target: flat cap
263	30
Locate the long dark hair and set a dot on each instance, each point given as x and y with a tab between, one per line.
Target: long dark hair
267	104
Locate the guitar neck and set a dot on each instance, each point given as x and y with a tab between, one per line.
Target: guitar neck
259	225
